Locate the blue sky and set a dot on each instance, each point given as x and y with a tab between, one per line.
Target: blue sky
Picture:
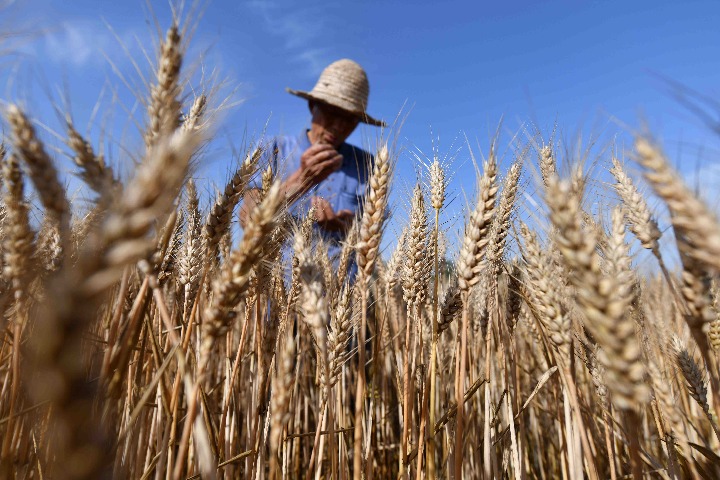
452	68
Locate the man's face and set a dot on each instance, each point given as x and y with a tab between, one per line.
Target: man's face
331	125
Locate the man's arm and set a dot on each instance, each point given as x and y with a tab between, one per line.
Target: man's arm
316	164
325	216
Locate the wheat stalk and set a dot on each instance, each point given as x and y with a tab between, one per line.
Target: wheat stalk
438	185
469	265
73	297
371	227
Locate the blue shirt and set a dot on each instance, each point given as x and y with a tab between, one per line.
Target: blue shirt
344	189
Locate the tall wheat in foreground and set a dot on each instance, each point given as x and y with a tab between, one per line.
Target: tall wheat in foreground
145	336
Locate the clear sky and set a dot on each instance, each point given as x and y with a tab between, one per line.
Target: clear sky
450	69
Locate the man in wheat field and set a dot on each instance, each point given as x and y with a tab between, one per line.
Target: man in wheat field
317	167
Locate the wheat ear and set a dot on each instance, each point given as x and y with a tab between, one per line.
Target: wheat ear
164	106
366	250
636	210
416	268
450	305
473	247
416	273
50	252
19	238
171	249
693	380
373	216
41	169
502	220
548	167
94	172
694	224
714	331
603	299
190	262
59	372
393	267
672	423
231	286
341	323
218	220
545	296
197	110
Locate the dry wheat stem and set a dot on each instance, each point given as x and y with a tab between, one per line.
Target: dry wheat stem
469	264
371	227
438	185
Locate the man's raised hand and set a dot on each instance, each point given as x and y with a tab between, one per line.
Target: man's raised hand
317	163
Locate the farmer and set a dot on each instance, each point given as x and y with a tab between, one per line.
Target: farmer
317	167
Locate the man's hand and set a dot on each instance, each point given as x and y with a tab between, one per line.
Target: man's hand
317	163
330	220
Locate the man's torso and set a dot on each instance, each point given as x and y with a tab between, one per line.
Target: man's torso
343	189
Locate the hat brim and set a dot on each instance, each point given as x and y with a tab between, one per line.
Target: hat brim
363	116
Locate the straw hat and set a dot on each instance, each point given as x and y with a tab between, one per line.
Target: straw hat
343	84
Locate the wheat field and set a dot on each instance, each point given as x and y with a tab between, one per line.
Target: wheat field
144	338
